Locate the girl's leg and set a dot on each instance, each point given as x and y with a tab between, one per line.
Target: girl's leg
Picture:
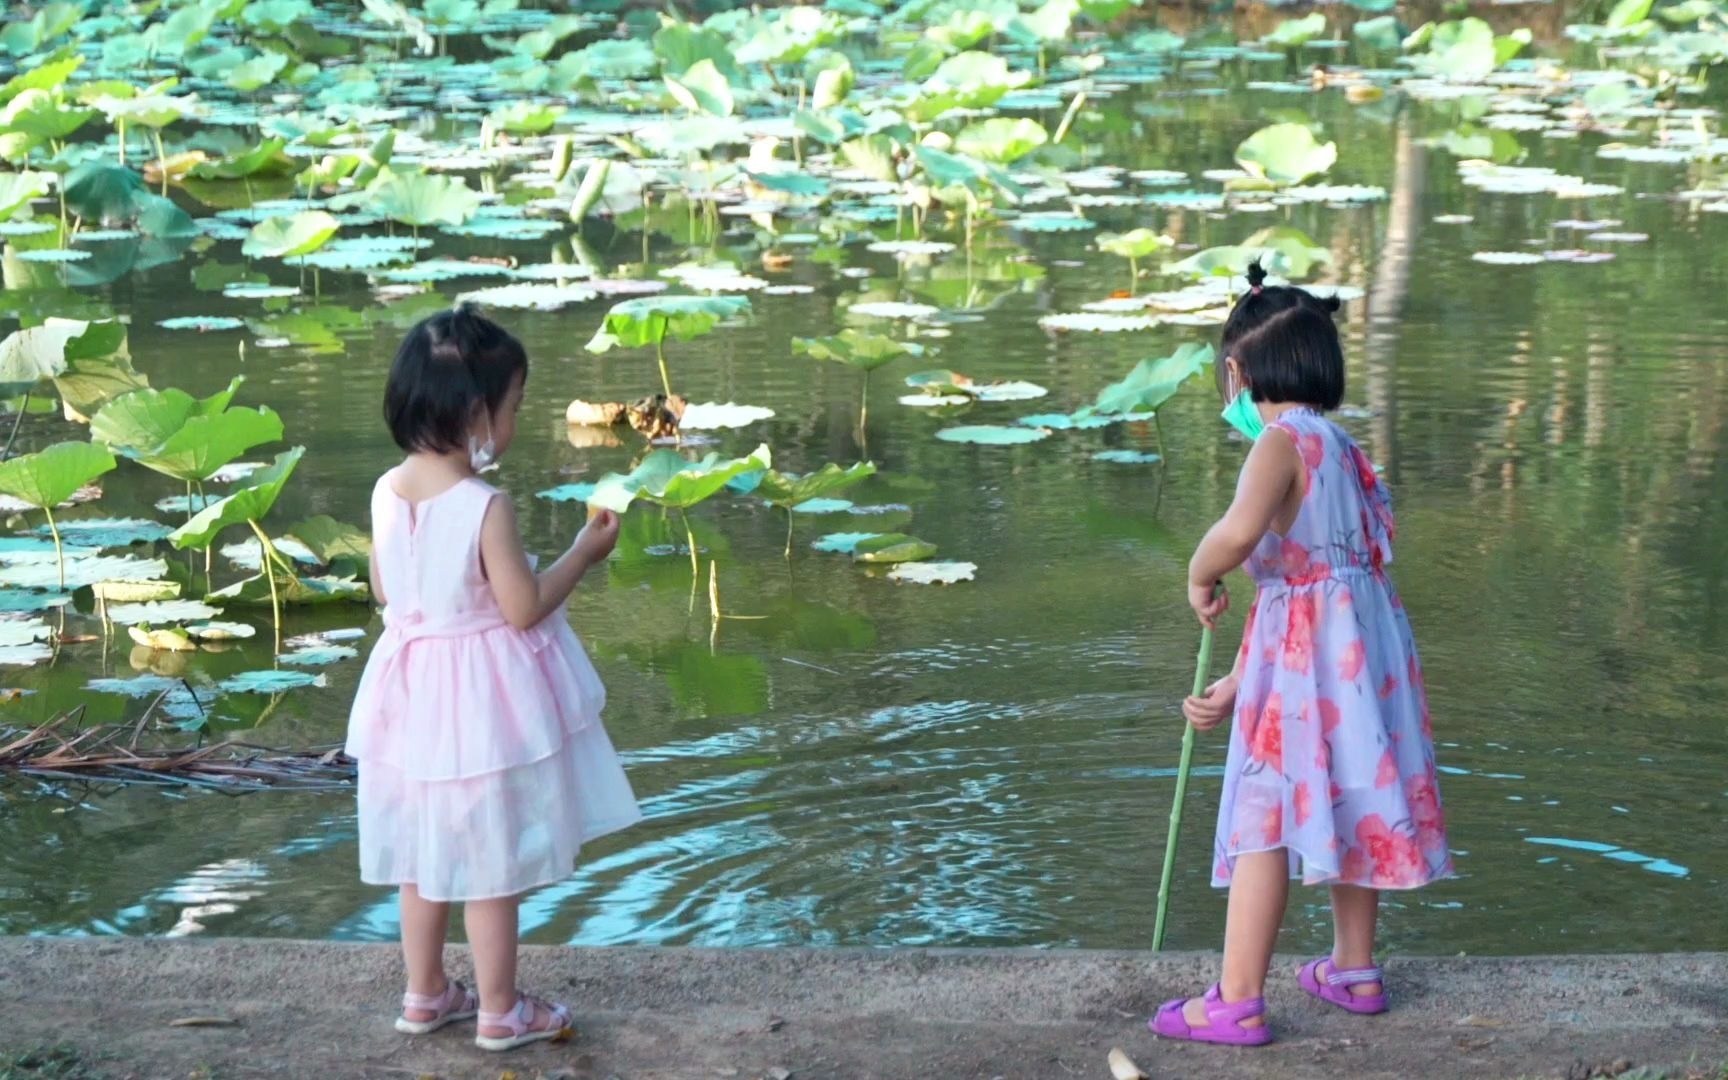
1355	911
1259	888
424	923
492	938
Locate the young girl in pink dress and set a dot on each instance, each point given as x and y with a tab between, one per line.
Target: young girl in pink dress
1330	774
483	763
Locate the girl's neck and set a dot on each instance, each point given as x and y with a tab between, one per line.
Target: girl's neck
451	463
1272	410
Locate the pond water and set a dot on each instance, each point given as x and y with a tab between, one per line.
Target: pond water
990	763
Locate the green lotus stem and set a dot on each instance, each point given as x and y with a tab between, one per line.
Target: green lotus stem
1158	429
268	550
23	407
59	551
864	407
789	532
1201	665
1133	275
162	158
120	126
660	355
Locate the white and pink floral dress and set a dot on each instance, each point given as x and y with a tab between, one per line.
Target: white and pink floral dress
1331	754
484	766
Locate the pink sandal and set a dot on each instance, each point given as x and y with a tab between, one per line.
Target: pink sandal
1334	987
1223	1021
520	1020
455	1003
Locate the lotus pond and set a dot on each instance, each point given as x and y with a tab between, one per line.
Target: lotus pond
896	633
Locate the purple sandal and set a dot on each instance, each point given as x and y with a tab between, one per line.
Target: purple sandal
1334	987
457	1002
1223	1021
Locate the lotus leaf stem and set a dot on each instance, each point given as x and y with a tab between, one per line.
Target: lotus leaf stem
660	356
268	550
23	407
59	550
1201	666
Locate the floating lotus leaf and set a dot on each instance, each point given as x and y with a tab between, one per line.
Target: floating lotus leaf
249	554
1098	322
992	435
1509	258
113	195
168	639
220	631
109	532
317	656
135	592
250	503
892	548
669	479
934	573
53	255
1052	221
160	611
43	114
290	237
889	309
203	323
531	297
823	506
268	682
856	349
1285	153
1127	457
80	573
18	189
710	416
841	543
1151	383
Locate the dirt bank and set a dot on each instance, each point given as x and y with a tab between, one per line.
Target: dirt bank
316	1009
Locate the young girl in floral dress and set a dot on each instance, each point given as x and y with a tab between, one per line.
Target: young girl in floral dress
1331	772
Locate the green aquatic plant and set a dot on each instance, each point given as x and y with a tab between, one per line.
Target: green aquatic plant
1152	383
48	477
667	478
290	236
635	324
788	491
1280	249
86	362
1285	154
861	352
418	199
248	506
1202	665
171	432
1134	246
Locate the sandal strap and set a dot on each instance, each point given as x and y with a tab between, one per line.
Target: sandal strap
453	995
1337	976
520	1017
1220	1012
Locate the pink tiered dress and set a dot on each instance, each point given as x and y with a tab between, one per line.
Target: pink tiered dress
1331	754
484	766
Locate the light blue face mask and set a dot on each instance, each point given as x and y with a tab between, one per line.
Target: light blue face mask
1243	415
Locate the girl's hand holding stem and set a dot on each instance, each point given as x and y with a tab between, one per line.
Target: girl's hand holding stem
1206	713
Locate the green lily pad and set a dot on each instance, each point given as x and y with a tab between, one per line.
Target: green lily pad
841	543
422	199
317	656
933	573
710	416
567	493
202	323
1127	457
156	612
81	573
173	433
109	532
892	548
268	682
328	539
531	297
992	435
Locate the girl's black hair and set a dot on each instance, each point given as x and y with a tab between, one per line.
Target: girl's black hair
449	363
1287	344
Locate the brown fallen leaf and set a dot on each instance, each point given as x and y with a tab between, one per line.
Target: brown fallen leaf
776	260
204	1021
1478	1021
1122	1067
